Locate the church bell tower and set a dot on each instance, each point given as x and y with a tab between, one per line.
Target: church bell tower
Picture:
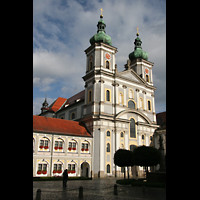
100	63
138	60
99	90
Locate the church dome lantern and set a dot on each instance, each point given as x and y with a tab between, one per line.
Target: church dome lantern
101	35
138	52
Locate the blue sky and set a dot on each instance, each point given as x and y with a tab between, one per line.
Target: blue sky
62	30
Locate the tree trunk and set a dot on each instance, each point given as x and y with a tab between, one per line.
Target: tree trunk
147	171
128	171
124	173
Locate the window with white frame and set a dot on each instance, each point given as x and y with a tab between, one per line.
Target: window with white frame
42	169
71	168
59	144
57	168
72	145
85	147
44	143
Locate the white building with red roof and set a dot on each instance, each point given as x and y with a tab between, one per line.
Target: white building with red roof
61	144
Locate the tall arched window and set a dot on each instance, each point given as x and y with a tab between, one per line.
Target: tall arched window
149	105
130	93
107	95
132	128
107	65
141	103
147	78
108	147
108	168
131	104
120	98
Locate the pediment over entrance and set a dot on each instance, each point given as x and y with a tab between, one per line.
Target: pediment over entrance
141	116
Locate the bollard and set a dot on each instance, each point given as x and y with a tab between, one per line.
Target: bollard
38	195
115	189
80	192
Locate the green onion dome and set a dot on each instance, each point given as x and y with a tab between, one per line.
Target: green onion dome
101	36
138	52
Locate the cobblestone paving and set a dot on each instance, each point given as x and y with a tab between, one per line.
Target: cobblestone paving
100	189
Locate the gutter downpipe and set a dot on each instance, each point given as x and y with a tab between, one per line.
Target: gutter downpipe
51	154
115	114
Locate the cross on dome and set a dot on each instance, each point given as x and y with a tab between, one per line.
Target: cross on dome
101	12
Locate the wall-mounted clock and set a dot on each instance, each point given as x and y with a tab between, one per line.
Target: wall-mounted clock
108	56
146	71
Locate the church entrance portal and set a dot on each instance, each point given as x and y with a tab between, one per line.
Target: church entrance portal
85	169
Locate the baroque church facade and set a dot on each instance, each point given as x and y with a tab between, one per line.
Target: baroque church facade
116	108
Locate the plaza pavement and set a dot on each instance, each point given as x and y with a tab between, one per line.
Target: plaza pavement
96	189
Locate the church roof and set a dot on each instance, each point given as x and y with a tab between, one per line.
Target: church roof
77	97
101	35
56	105
138	52
58	126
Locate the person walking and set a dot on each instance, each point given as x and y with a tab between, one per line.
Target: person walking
65	178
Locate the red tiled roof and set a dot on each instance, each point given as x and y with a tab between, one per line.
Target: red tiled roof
58	126
56	105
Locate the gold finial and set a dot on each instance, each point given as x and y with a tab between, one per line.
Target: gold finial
137	31
101	12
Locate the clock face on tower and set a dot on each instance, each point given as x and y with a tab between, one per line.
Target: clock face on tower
107	55
146	71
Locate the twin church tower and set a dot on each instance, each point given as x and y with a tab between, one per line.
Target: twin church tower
118	108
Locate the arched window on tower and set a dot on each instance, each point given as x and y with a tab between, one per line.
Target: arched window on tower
149	105
108	168
108	95
147	78
107	64
108	133
132	128
89	95
90	65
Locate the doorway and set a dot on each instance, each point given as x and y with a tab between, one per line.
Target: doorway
85	169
